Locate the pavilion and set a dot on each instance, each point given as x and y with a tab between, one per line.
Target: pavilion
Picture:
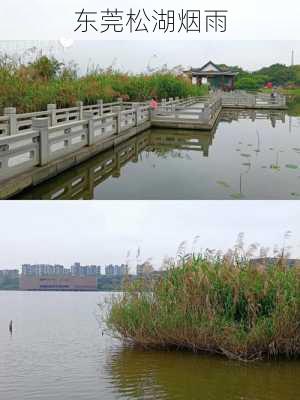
214	76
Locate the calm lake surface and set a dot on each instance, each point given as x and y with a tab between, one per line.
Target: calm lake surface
249	155
57	351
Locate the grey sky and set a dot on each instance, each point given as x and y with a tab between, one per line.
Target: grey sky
103	232
134	56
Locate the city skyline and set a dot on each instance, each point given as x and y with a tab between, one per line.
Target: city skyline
138	231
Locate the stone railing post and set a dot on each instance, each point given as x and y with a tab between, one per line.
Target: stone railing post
120	101
11	113
176	112
137	115
151	113
100	104
51	108
119	122
41	125
89	116
79	104
206	113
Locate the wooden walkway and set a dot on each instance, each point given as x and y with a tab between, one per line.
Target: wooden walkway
37	146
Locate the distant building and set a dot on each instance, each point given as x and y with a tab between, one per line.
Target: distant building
144	269
60	270
85	270
76	269
116	270
9	273
61	283
212	75
265	261
42	269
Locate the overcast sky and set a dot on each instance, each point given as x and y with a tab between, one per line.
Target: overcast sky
102	232
135	56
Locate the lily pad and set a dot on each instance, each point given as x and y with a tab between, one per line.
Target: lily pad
291	166
237	196
245	155
223	183
275	167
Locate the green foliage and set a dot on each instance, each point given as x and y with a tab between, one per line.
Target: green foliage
243	312
250	82
278	74
31	87
45	67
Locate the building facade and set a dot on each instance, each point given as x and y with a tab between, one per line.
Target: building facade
59	270
144	269
55	283
116	270
213	76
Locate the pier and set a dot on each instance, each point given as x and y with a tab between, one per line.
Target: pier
35	147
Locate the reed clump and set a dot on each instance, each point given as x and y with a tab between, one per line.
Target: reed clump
30	87
240	310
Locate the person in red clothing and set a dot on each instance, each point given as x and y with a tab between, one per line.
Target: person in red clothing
153	104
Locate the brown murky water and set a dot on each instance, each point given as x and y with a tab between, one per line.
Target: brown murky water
57	351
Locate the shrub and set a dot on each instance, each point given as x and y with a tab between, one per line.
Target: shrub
241	311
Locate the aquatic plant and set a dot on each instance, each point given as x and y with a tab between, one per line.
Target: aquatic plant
218	304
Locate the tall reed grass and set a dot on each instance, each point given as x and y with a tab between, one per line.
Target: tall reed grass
212	304
45	80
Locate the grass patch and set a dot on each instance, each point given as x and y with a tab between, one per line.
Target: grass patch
213	305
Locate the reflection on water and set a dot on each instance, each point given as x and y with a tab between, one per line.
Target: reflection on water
57	351
249	155
173	375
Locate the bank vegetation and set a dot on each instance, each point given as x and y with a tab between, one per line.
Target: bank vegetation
30	87
215	304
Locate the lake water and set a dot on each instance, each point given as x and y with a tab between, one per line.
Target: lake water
249	155
57	351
